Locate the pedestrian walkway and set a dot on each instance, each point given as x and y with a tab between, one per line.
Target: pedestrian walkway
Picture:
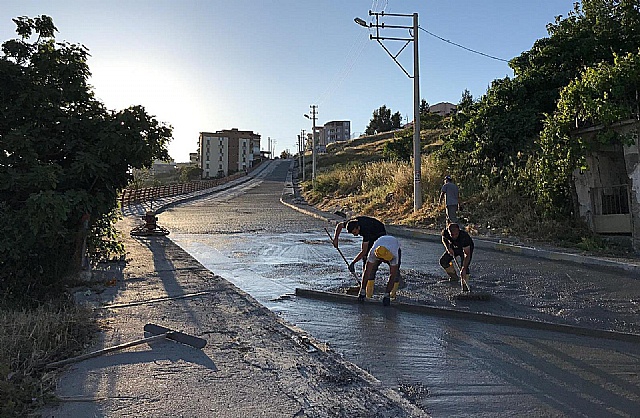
157	205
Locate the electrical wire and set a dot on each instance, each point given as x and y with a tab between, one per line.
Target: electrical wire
462	46
357	47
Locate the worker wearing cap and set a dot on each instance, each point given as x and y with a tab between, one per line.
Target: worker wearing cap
457	243
370	229
449	196
385	249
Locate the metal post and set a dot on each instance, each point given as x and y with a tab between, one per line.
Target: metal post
314	145
417	187
304	148
413	30
299	155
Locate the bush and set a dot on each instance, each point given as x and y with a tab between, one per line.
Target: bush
30	339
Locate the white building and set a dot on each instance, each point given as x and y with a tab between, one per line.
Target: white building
226	152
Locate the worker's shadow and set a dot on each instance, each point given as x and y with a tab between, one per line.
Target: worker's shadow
160	351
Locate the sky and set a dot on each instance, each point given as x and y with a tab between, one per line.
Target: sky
258	65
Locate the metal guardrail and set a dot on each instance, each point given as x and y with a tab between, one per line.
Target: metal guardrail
132	196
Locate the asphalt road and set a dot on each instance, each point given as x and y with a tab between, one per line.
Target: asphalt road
449	367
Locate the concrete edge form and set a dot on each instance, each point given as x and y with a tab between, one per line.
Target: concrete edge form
480	317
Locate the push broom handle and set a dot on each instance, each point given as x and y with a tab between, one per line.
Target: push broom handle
462	280
107	350
343	257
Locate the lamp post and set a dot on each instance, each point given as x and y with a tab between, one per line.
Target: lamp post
313	144
413	32
301	153
302	141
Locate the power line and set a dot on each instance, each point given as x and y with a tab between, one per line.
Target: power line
350	60
462	46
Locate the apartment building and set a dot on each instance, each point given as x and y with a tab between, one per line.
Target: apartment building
227	151
194	158
333	131
443	108
336	131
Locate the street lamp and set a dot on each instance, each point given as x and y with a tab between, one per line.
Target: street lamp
413	32
361	22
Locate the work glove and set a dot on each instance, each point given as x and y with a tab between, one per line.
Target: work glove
352	268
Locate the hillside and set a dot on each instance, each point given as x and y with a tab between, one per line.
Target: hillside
355	178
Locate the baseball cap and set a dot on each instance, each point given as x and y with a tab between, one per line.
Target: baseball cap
383	253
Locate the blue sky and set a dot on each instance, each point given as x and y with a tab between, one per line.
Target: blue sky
258	65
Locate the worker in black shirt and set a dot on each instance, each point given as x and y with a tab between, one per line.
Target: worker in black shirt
370	229
457	243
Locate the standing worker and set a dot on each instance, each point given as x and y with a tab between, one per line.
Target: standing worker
369	228
457	243
449	194
385	249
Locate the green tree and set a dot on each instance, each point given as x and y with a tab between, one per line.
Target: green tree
383	121
603	95
499	140
424	107
189	173
65	157
399	149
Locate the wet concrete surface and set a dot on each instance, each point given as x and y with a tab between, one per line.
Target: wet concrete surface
449	367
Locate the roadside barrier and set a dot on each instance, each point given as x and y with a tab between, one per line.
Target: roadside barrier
145	194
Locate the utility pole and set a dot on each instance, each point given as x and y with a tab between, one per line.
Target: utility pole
300	156
269	146
313	143
304	148
413	33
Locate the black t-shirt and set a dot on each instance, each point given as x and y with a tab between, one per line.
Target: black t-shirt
463	240
370	228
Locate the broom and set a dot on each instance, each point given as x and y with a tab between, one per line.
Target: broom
467	294
353	289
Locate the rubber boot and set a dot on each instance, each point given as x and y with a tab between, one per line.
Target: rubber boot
370	284
394	290
451	271
386	299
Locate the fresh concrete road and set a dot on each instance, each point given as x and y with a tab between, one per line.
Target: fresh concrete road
449	367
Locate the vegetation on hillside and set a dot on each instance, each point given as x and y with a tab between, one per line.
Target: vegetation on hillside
383	121
495	141
510	151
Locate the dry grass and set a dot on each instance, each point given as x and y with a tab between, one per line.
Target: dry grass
29	339
354	178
